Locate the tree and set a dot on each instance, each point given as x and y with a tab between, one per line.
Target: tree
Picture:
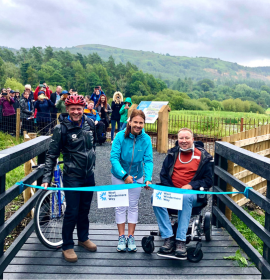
92	80
210	84
102	73
14	84
48	53
23	68
110	65
57	65
79	57
32	76
94	59
57	79
2	72
205	87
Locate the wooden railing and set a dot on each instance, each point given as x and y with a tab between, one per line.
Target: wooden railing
259	165
10	159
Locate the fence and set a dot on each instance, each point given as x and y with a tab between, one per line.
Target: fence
254	163
10	159
206	129
256	140
18	123
209	129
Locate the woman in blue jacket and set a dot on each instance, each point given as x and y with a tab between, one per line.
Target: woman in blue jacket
43	116
131	156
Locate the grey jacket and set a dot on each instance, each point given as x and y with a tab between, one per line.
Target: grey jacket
99	108
25	112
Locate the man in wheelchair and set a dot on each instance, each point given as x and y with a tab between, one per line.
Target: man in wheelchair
186	166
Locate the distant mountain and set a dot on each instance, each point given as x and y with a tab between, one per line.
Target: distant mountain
174	67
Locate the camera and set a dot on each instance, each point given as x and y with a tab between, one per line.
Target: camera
4	94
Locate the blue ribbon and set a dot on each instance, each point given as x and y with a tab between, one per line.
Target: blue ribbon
246	192
131	186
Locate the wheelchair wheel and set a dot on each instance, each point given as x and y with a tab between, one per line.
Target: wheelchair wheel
48	218
207	226
191	257
148	244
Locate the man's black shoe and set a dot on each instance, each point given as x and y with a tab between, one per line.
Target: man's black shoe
168	246
180	250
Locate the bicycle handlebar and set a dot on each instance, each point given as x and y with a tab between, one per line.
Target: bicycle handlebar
37	166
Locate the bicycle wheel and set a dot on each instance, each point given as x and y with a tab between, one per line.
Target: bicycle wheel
48	218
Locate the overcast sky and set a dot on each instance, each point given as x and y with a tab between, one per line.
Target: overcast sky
232	30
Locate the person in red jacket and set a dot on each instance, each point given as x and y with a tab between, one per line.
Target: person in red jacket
47	92
44	88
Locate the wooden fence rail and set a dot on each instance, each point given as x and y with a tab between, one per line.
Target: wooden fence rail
259	165
10	159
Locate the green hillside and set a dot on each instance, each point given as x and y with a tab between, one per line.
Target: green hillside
174	67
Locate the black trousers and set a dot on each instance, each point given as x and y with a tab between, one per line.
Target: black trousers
77	210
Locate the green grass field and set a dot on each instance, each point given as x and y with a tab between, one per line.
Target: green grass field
212	123
222	114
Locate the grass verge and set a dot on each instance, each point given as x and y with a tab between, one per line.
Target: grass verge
251	237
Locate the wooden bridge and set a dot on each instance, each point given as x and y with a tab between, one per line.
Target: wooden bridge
27	258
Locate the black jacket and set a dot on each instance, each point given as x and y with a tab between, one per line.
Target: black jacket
16	105
78	153
115	111
203	176
53	99
25	112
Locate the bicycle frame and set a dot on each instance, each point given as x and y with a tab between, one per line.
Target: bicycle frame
57	175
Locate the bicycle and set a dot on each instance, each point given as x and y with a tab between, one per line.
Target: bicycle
49	213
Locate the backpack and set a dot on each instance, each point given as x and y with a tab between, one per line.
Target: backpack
101	132
90	122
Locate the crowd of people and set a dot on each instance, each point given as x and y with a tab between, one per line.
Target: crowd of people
39	108
187	166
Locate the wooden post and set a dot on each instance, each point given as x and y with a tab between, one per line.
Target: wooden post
223	163
2	214
27	170
163	129
58	114
266	249
242	125
18	124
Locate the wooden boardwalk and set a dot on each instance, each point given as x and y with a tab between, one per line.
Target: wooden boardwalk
34	261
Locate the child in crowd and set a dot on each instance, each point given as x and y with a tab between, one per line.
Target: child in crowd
91	113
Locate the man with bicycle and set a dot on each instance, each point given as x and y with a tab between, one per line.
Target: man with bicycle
74	138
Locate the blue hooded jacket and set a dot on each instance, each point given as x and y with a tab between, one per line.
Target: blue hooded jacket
132	156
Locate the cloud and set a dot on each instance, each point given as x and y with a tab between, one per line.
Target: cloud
236	30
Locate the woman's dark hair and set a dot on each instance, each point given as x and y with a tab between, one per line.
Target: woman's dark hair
134	113
99	101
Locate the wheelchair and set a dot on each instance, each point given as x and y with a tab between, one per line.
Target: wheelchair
197	228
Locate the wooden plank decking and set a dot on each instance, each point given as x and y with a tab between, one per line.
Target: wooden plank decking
34	261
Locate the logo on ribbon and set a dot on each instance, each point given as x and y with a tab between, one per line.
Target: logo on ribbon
158	195
103	196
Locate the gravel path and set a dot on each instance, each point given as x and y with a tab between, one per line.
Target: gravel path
103	177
